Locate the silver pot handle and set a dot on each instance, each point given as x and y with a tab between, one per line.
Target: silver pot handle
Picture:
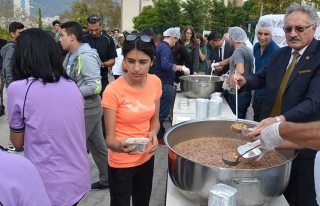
247	180
203	85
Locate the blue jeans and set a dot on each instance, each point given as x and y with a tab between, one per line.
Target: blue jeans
165	104
243	103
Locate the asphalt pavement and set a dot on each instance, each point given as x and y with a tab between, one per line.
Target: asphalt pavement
102	197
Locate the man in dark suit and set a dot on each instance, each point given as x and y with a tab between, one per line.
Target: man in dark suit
221	53
291	80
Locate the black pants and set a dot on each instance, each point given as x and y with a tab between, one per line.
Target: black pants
257	105
135	181
300	190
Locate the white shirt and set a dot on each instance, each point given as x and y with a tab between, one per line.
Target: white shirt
117	67
300	52
222	49
317	176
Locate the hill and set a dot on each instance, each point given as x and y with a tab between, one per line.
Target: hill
51	7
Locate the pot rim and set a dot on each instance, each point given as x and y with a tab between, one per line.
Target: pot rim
218	119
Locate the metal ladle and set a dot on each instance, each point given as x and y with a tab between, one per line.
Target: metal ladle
238	160
238	130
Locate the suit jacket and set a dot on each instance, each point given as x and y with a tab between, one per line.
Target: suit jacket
228	51
301	98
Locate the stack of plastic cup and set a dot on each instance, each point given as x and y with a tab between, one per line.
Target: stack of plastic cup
201	108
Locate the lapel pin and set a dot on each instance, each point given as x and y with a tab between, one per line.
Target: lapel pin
307	57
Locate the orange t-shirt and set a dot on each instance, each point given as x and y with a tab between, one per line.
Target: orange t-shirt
134	109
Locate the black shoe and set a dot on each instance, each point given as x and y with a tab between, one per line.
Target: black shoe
14	149
99	186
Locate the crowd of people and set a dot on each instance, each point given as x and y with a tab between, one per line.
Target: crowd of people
61	105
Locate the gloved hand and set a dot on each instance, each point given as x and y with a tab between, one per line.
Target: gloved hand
214	64
185	70
224	77
226	86
270	136
264	149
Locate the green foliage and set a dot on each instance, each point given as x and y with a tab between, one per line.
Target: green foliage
194	13
4	34
146	19
108	10
225	16
168	13
39	18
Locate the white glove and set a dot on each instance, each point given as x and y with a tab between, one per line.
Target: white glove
214	64
270	136
224	77
264	149
185	70
226	86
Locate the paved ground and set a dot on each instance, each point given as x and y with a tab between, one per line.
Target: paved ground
102	198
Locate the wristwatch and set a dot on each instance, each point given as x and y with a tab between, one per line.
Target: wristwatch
277	119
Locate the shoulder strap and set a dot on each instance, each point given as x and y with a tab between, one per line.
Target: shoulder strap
25	98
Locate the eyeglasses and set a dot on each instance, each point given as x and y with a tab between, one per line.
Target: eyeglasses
300	29
144	38
93	19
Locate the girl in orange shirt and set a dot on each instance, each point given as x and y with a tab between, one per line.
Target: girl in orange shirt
131	110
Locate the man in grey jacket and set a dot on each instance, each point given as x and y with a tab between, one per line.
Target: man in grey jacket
83	66
15	28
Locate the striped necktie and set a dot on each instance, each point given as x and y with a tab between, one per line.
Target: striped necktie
276	110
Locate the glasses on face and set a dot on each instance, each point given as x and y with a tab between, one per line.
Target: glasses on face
93	19
144	38
300	29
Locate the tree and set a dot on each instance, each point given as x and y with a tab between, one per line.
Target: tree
224	16
194	13
39	18
146	19
108	10
168	14
4	34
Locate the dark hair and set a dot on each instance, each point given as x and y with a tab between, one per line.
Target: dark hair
83	27
134	32
146	47
73	27
94	18
56	22
37	55
214	36
14	26
193	40
148	32
116	30
199	36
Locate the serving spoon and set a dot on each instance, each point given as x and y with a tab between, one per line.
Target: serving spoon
238	160
236	129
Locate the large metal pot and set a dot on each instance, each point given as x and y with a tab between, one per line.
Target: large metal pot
200	86
255	187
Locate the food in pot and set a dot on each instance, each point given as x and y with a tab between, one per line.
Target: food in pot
238	125
209	151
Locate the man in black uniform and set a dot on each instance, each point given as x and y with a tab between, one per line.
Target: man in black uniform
105	47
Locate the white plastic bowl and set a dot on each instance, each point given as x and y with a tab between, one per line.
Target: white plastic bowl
140	143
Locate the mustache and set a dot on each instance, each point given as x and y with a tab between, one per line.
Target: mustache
294	38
